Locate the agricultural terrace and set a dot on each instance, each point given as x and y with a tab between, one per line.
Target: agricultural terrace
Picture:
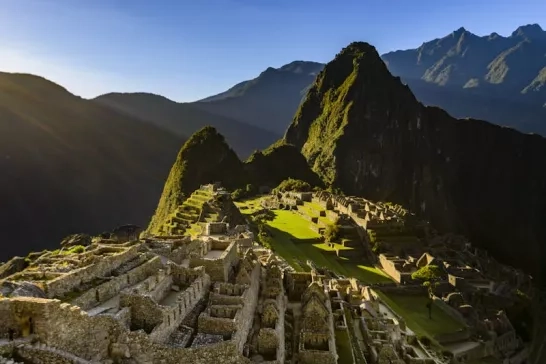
414	310
291	236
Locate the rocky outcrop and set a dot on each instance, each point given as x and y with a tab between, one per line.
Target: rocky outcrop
12	266
76	239
362	130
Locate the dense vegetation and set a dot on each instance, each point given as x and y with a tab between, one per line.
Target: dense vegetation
291	184
277	163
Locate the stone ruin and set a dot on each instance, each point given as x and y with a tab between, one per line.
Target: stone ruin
218	297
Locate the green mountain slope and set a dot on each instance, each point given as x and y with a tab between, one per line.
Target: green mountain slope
363	131
207	158
185	119
71	165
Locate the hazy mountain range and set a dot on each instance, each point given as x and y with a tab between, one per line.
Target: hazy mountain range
71	165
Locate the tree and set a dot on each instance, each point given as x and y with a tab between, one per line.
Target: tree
429	274
294	185
332	233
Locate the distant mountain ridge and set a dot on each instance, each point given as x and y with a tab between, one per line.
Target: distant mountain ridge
70	165
496	78
267	101
184	119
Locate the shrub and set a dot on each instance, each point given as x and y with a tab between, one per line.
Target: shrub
77	249
291	184
242	193
428	273
332	233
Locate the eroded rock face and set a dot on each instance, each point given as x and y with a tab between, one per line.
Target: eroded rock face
362	130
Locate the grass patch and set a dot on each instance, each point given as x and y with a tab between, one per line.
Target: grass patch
292	238
414	311
250	206
343	346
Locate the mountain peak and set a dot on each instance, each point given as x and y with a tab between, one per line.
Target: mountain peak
304	67
356	82
204	158
358	48
529	31
460	31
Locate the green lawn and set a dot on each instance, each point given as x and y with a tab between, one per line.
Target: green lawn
343	346
414	311
293	239
293	224
248	207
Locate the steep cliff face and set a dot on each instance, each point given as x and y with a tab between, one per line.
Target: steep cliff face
362	130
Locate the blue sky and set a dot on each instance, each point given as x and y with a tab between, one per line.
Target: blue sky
187	50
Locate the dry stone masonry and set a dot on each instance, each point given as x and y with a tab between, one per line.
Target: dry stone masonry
213	295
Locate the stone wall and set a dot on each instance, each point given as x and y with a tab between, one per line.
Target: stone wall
216	325
174	315
111	288
453	337
268	341
145	312
449	310
316	357
8	320
101	267
68	328
389	267
219	269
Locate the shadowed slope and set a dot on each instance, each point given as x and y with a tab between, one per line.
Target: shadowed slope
70	165
362	130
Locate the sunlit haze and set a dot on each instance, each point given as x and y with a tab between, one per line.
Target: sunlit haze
187	50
